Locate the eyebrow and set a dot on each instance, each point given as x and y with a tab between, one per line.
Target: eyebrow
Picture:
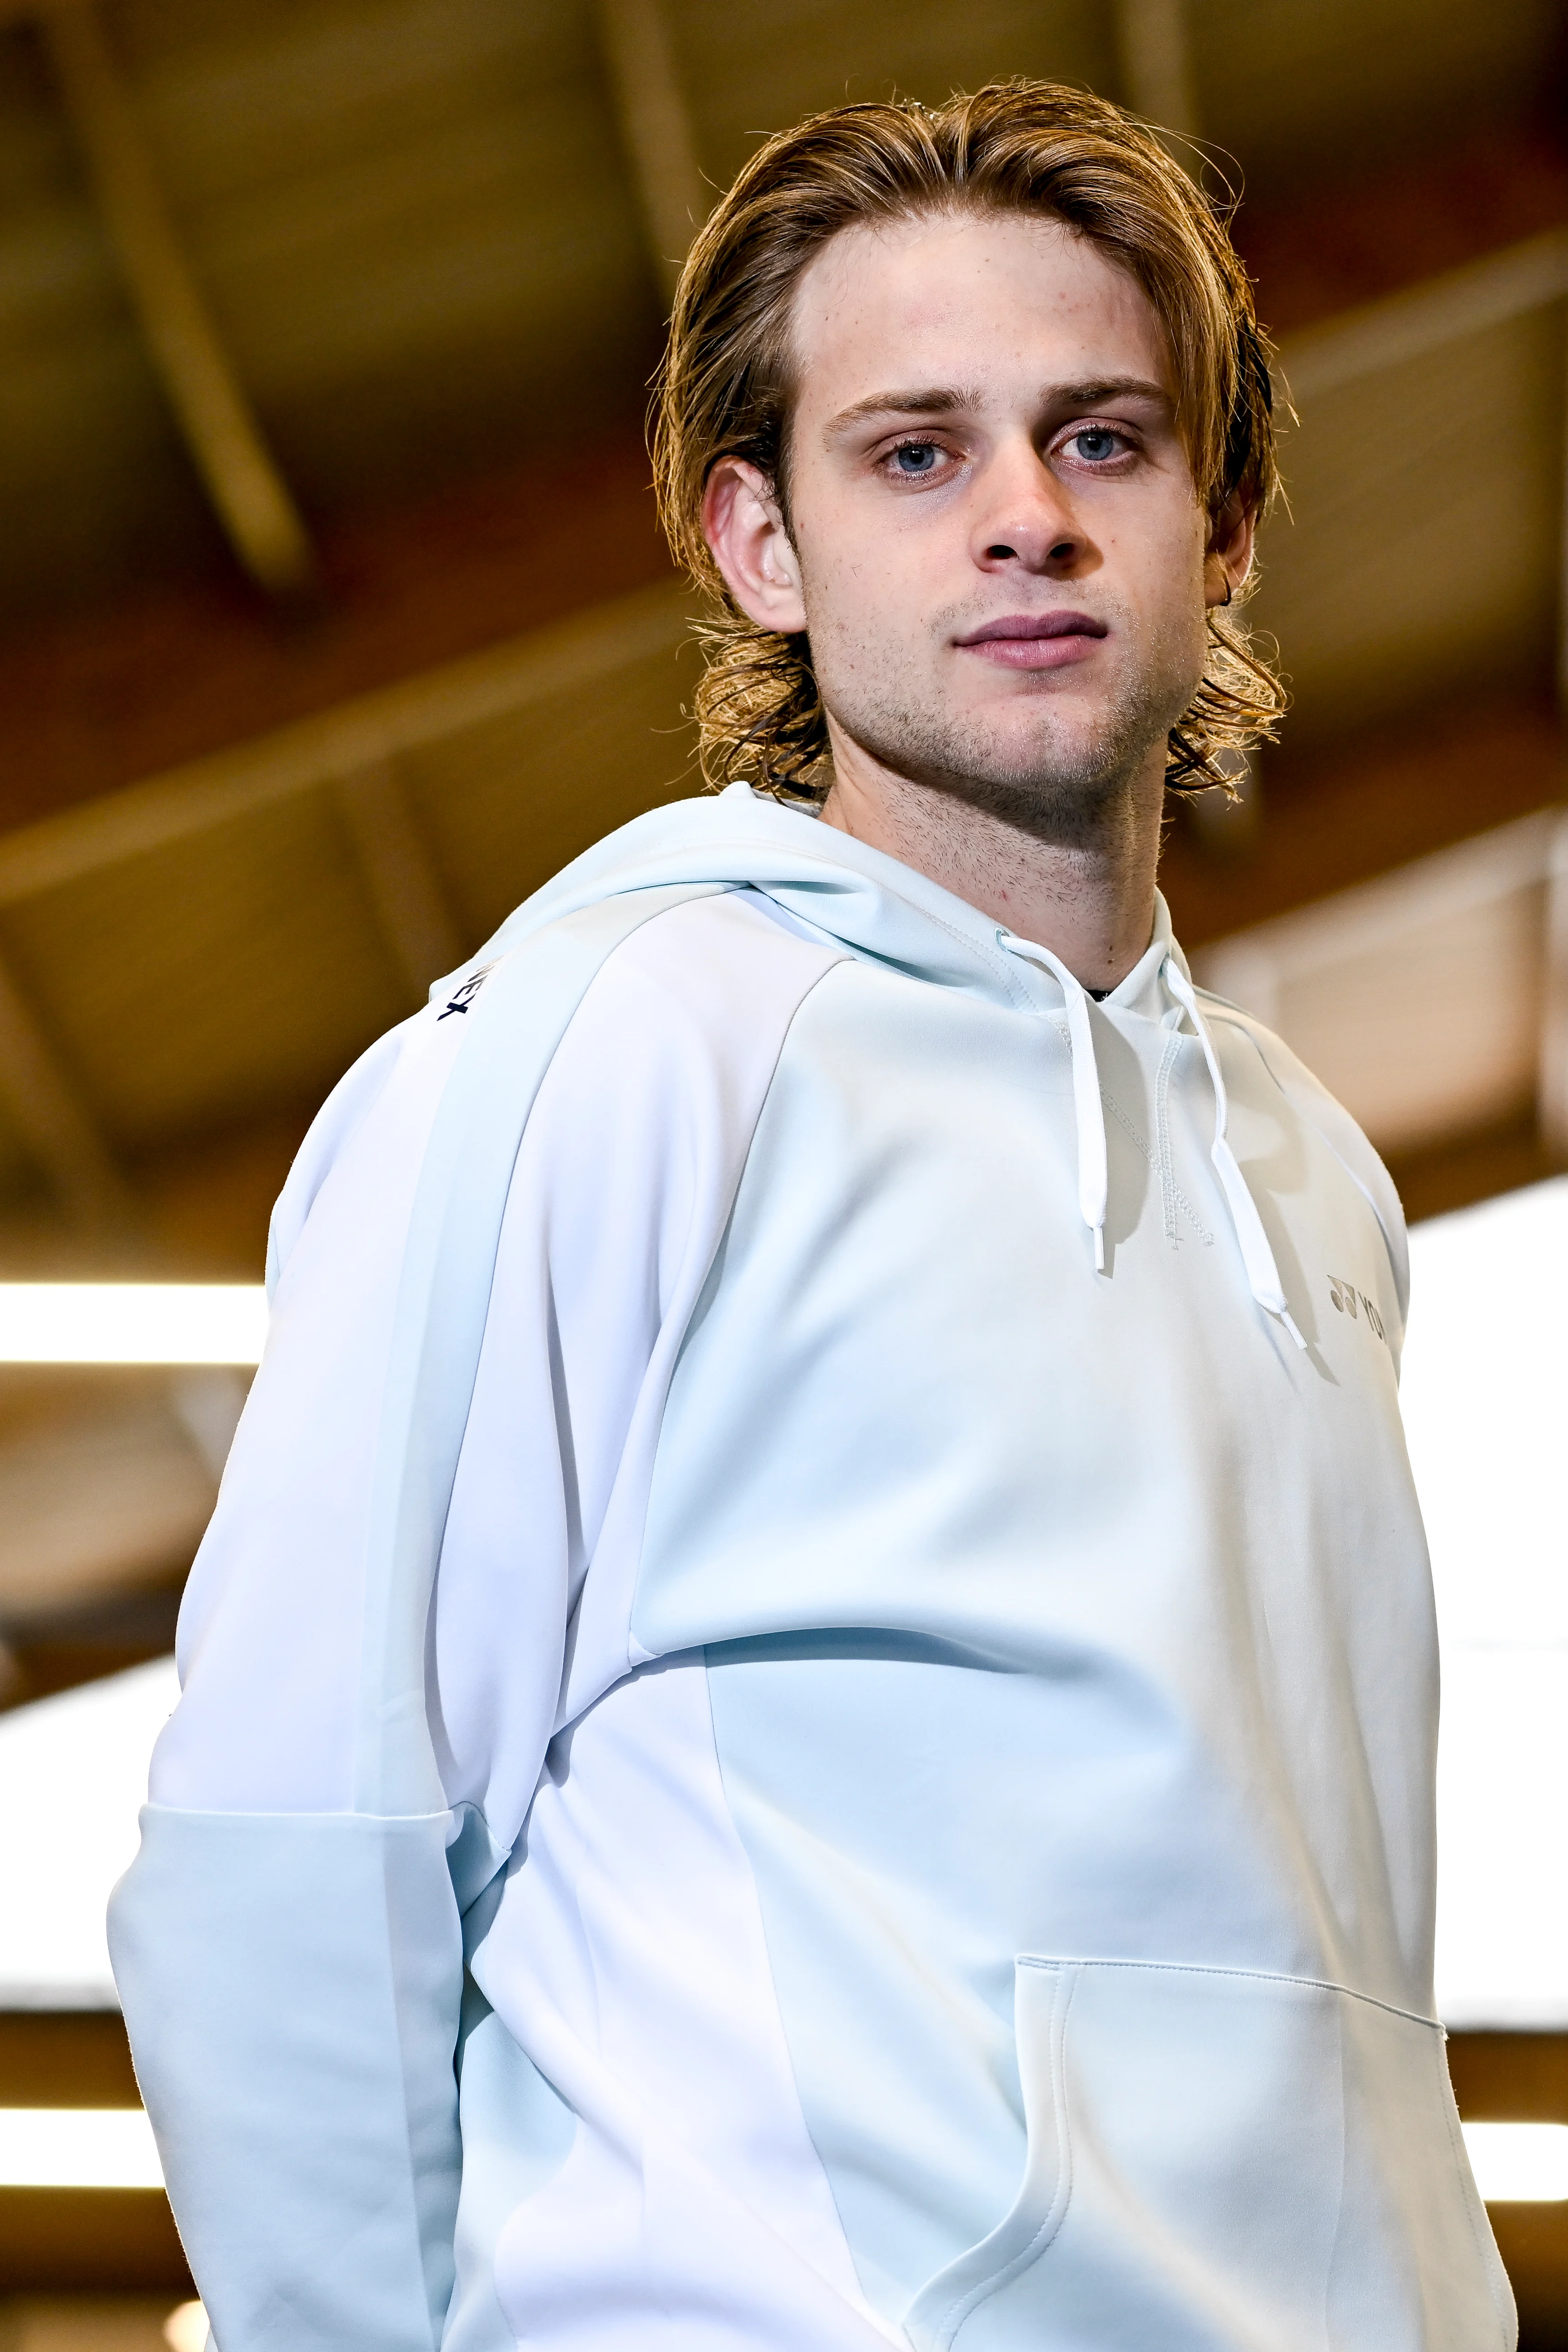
934	400
1110	387
944	400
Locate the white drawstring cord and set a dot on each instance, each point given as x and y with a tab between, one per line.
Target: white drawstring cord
1262	1274
1088	1112
1257	1256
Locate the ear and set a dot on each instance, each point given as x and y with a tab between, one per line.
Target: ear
1228	559
746	530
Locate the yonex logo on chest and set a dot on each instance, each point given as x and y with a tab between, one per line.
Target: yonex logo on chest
1349	1300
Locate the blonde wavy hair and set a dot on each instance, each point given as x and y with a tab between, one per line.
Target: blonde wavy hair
725	387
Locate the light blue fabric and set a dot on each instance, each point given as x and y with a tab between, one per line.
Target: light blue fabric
909	2075
1051	1617
1205	2168
291	1983
300	1975
512	1034
516	2135
292	1987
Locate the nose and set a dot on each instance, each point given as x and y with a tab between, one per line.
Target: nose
1026	519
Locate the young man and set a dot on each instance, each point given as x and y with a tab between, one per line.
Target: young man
809	1715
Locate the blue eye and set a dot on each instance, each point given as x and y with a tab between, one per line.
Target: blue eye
915	456
1095	444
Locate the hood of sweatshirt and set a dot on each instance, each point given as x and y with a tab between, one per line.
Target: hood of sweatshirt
879	909
887	913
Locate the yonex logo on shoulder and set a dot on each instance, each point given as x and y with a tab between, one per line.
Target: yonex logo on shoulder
464	996
1349	1300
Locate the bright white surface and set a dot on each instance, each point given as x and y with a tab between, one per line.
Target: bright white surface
186	2329
77	2147
1485	1394
73	1776
1519	2163
131	1322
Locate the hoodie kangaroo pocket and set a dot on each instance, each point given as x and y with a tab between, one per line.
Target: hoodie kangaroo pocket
1221	2160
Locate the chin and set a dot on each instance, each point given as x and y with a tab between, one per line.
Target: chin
1030	758
1046	758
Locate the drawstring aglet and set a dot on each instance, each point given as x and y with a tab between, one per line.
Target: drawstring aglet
1289	1322
1099	1250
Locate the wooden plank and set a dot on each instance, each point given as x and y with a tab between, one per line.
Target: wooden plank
1363	986
406	890
656	129
75	2241
1553	1089
219	425
1154	55
1434	891
96	1505
571	657
1347	809
1456	1170
57	1126
1563	564
1423	319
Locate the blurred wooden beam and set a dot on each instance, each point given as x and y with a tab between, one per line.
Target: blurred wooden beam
56	1128
1452	1173
1553	1092
104	1502
1361	806
1365	225
220	428
1514	2077
1563	562
58	2244
1411	325
1153	51
405	889
656	129
566	659
94	699
1350	981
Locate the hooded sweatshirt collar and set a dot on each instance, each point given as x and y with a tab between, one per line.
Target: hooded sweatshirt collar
887	913
872	904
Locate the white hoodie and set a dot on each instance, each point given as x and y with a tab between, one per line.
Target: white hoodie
831	1516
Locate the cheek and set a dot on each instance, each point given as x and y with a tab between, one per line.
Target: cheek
1161	553
870	567
1162	573
859	594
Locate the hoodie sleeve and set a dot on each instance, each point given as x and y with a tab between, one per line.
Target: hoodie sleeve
359	1735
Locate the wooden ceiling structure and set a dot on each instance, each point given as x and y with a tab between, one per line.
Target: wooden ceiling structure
333	616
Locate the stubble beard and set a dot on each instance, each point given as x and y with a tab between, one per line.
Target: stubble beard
1063	778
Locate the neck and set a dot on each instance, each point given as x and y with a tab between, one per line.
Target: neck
1090	901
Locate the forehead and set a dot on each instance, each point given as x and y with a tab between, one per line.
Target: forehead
1003	299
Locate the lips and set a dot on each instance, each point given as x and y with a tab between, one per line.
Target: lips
1036	640
1035	625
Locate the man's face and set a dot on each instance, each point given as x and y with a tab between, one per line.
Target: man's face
992	530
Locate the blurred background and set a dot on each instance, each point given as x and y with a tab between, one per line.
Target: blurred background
334	618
